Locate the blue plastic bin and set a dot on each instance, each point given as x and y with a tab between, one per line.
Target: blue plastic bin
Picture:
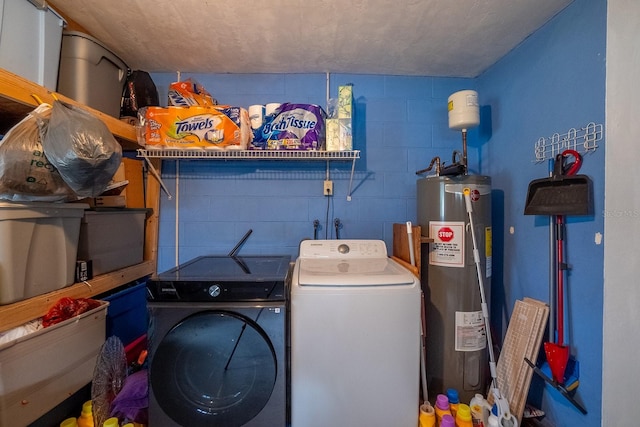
127	314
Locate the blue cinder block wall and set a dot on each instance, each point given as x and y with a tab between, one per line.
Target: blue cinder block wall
552	82
400	124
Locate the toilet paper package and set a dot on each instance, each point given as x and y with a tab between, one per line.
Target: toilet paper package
292	127
215	127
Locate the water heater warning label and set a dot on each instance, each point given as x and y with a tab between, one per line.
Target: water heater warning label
470	332
447	248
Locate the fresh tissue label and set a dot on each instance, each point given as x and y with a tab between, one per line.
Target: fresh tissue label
298	119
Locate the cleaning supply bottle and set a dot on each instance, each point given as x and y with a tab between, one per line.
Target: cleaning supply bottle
479	411
442	408
111	422
427	415
447	421
463	416
493	421
69	422
86	416
454	400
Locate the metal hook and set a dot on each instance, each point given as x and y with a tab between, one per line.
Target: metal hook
590	135
539	149
37	98
572	136
556	147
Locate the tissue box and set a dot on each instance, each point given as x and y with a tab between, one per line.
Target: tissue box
345	102
339	135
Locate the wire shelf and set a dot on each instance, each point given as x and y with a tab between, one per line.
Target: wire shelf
202	154
583	140
168	153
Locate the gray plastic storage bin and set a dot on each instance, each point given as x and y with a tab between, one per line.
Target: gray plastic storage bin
38	247
30	39
90	73
112	238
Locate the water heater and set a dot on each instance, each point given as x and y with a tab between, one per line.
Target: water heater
456	355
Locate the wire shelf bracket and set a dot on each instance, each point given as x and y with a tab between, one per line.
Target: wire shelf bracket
584	141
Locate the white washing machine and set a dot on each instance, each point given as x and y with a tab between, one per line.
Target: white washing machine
355	337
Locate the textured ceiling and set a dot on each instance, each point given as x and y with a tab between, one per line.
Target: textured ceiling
397	37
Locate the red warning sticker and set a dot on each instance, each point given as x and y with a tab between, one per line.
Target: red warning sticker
447	248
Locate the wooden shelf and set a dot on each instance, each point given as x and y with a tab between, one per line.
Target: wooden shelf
20	312
19	96
401	251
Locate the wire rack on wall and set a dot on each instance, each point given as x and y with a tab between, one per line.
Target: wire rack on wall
583	140
169	153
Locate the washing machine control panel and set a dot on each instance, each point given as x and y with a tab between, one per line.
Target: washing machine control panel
319	249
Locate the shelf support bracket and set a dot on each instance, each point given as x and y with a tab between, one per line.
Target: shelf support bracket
353	168
155	173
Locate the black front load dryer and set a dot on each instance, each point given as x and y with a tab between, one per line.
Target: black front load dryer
217	348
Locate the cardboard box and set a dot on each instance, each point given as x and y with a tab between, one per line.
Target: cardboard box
107	202
339	135
42	369
38	247
129	196
134	191
345	102
112	238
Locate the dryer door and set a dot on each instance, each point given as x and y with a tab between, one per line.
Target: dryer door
213	368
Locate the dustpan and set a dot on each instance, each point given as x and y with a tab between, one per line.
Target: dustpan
561	194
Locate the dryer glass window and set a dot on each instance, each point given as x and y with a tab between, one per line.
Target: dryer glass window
214	368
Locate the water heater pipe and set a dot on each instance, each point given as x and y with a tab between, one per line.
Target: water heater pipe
464	151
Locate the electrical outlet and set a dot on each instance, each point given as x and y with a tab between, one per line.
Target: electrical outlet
328	188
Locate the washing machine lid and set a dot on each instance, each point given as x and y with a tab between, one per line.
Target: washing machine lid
361	272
